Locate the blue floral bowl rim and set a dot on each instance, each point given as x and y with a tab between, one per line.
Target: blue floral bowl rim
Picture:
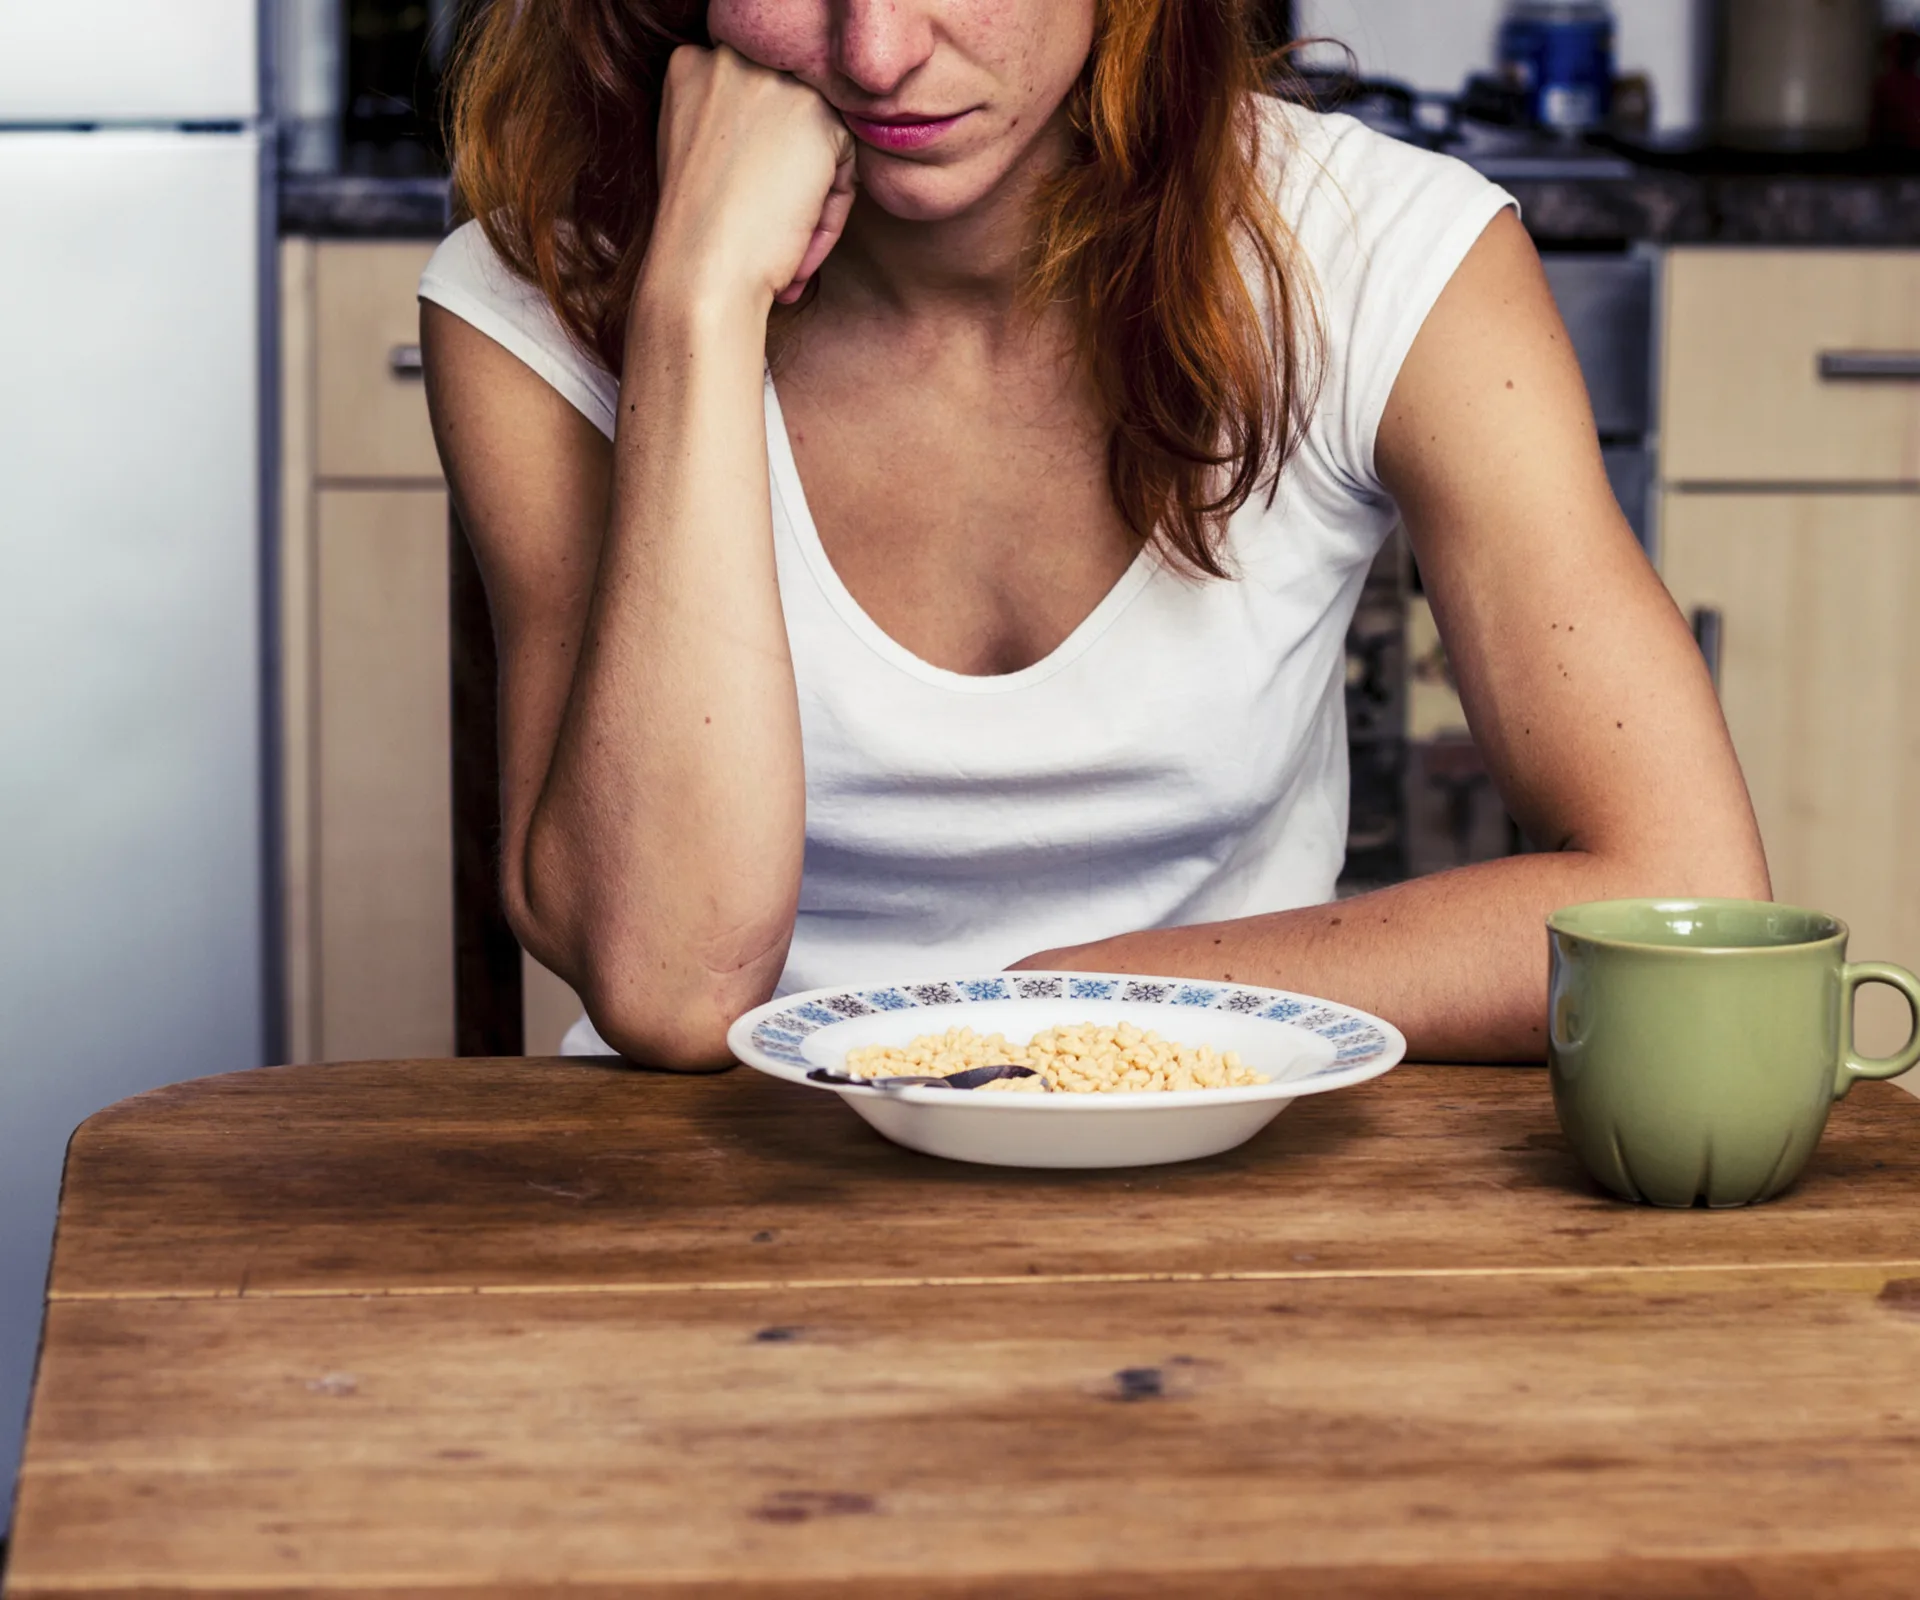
768	1038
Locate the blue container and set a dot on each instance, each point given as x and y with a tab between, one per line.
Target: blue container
1560	53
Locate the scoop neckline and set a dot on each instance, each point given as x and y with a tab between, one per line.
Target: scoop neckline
785	472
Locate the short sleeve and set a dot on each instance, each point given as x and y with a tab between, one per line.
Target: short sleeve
468	278
1382	227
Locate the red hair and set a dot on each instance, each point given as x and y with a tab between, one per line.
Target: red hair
1152	231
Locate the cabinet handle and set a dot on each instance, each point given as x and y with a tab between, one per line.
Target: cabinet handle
1870	366
1708	626
404	361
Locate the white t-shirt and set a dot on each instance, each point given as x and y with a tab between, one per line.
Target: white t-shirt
1181	757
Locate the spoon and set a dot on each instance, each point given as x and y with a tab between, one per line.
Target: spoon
972	1078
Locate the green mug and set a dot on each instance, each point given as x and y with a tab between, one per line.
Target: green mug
1694	1046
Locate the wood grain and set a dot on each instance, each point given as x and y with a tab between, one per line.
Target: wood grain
1640	1433
540	1175
1851	1575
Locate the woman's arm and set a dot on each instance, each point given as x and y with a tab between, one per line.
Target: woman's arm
653	801
1580	680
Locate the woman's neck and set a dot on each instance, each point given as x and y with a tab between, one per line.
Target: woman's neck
972	264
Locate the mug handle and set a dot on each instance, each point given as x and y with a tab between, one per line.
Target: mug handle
1853	1068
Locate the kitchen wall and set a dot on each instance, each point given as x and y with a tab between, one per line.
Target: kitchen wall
1436	44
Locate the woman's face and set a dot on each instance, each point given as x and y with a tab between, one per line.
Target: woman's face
944	96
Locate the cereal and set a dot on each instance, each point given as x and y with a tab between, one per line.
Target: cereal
1082	1059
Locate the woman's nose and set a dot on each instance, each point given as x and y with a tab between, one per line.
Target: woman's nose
877	44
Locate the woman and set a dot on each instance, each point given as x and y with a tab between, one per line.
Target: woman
1000	620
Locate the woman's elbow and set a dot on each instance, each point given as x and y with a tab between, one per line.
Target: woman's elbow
660	991
1728	861
1728	864
676	1027
1746	880
660	1005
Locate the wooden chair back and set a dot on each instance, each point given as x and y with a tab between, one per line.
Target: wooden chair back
488	1004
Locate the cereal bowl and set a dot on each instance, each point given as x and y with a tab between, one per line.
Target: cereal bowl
1300	1045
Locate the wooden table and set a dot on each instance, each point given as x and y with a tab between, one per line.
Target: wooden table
482	1328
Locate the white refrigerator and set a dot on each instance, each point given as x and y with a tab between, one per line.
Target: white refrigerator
134	895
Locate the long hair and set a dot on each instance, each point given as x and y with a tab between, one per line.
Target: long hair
1159	234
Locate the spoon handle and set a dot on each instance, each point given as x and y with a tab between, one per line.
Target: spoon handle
972	1078
975	1077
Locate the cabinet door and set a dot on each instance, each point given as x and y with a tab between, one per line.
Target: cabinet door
384	820
1820	678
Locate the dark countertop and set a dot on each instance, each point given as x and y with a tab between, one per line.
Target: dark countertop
1680	208
353	207
1614	203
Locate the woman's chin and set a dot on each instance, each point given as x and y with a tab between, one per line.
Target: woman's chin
915	192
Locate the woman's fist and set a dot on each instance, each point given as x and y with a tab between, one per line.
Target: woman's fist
756	178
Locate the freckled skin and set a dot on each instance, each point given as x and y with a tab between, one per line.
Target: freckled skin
1009	63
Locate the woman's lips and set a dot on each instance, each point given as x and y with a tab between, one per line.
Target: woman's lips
900	133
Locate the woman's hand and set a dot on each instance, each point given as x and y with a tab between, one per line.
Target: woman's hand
756	179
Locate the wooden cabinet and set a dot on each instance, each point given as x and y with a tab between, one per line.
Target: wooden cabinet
1807	544
370	419
1820	679
366	760
382	809
1748	335
548	1005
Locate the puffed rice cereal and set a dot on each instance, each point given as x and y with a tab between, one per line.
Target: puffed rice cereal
1082	1059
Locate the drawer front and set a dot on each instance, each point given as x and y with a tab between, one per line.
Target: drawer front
1748	333
371	419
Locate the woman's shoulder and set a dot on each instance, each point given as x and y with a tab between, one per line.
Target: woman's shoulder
1333	176
467	276
1380	227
